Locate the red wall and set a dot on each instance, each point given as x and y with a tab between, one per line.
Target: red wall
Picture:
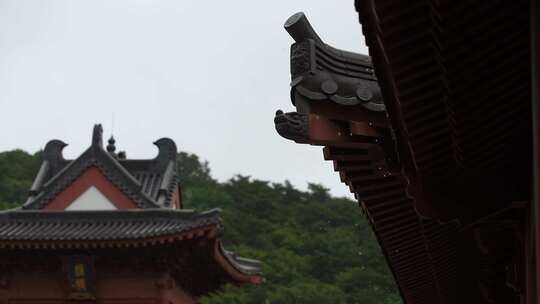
91	177
110	289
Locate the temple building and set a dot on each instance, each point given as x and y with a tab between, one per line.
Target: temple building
106	229
437	134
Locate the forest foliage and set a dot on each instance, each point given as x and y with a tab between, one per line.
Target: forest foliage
315	248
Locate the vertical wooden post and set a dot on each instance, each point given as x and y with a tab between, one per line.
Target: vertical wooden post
529	250
535	86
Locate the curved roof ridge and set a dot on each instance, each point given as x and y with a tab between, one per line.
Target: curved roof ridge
149	183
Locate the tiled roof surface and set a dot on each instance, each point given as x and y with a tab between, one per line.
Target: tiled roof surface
29	225
322	73
28	229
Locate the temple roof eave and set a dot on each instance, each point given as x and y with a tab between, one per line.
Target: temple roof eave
18	225
59	230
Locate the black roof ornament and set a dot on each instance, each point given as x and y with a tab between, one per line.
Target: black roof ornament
111	147
53	150
53	161
97	136
167	151
122	155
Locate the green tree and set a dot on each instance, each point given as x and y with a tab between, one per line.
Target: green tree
17	169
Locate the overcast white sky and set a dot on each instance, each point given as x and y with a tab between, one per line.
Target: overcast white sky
209	74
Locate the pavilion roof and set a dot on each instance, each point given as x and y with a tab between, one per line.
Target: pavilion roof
150	183
154	221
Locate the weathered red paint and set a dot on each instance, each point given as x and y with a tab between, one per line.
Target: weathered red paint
135	281
324	130
119	288
91	177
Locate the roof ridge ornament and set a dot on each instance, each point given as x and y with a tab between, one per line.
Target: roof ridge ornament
320	72
300	29
111	147
53	150
167	149
97	136
52	161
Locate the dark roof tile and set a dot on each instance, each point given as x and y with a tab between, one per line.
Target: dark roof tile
320	72
30	225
